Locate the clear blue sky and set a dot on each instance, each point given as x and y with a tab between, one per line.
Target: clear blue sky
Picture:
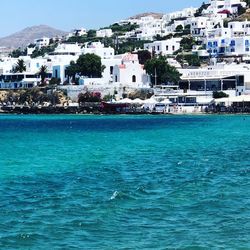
68	14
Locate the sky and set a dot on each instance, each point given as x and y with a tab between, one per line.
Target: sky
69	14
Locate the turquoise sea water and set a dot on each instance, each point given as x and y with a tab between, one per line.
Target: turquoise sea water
125	182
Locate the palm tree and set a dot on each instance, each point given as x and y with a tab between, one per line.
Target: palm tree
72	70
43	73
20	66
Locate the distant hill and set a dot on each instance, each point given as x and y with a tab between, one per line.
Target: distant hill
28	35
153	14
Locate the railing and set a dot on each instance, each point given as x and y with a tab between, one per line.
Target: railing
206	74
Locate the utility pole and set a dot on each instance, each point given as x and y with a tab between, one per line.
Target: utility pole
155	76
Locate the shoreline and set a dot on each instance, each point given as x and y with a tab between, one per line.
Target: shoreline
100	113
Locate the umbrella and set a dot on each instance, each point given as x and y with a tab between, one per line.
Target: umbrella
166	102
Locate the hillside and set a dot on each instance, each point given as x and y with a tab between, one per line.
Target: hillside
244	17
26	36
153	14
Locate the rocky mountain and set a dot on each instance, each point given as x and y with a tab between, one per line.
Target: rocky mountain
153	14
28	35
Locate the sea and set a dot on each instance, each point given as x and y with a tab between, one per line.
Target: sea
124	182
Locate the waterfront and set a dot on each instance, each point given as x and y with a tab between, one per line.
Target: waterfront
124	182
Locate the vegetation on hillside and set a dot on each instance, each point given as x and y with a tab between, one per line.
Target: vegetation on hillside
44	50
160	71
88	65
19	67
18	52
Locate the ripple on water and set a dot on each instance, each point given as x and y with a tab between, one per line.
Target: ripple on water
148	183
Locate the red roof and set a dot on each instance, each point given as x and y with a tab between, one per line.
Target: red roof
224	12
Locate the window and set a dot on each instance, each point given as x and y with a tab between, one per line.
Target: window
173	47
167	47
111	70
133	78
116	78
232	49
247	49
158	47
232	43
223	41
246	42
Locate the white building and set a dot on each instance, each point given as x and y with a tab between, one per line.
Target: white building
185	13
65	49
200	26
231	41
77	32
98	48
19	80
42	42
231	6
104	33
6	65
234	79
130	72
234	46
165	47
149	27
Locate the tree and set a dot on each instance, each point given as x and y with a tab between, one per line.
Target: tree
44	50
54	81
179	28
159	70
199	11
143	56
89	65
191	59
20	66
187	43
43	73
130	46
219	94
116	27
72	70
241	10
247	2
18	52
91	33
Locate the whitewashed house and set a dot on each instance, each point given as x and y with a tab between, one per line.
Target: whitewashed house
77	32
200	26
98	48
230	6
104	33
165	47
130	72
42	42
185	13
231	41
